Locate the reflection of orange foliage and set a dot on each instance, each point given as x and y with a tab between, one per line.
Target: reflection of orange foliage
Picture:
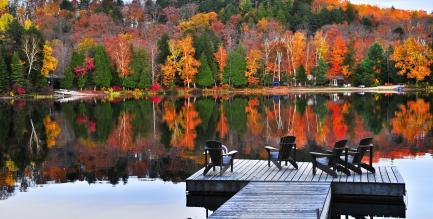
52	130
121	136
54	173
190	123
182	125
223	125
338	125
7	179
254	119
414	120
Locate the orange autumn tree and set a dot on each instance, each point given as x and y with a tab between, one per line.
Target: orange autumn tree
119	51
413	58
413	121
189	67
253	63
221	58
337	57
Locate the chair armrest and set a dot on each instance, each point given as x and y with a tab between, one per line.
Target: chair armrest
317	154
270	148
231	153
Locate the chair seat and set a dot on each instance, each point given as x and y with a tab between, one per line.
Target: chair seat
274	154
226	160
349	158
323	160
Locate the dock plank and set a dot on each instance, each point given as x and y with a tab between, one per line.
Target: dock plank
276	200
397	175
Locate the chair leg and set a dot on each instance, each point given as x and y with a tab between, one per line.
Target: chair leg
206	169
367	167
314	169
269	162
286	162
277	163
342	169
231	166
293	162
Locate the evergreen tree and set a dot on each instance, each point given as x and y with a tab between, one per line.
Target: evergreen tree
17	71
236	66
4	73
389	73
102	73
163	49
77	60
301	75
67	82
140	70
364	73
375	54
319	72
204	77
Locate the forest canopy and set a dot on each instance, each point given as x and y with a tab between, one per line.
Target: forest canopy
207	43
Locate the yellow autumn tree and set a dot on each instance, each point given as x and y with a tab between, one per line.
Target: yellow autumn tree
321	46
172	63
5	19
49	63
413	58
189	65
253	63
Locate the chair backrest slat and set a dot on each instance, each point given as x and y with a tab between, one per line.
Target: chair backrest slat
337	151
287	144
215	151
362	149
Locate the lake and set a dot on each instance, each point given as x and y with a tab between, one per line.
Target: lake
116	158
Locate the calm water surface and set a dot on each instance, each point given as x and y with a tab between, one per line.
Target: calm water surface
117	158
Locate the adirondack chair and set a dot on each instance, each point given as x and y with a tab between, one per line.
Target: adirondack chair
354	156
327	162
287	147
219	156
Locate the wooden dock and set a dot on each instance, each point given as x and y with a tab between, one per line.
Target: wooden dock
278	200
386	182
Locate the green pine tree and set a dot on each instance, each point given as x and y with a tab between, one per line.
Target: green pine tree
301	75
236	66
67	82
204	77
364	73
4	73
140	68
17	70
102	73
163	49
319	72
376	55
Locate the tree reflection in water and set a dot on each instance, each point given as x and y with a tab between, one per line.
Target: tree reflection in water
96	141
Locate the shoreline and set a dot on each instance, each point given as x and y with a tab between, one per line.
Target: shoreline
61	94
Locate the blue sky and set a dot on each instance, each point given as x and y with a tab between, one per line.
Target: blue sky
426	5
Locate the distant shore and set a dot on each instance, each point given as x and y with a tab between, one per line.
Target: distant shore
282	90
